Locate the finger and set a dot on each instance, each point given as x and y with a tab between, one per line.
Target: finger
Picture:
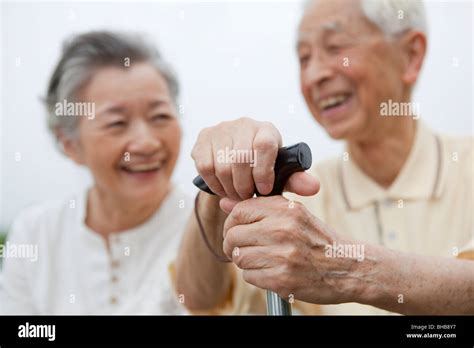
223	169
261	278
243	213
251	257
266	143
252	210
242	167
245	236
303	184
227	205
204	161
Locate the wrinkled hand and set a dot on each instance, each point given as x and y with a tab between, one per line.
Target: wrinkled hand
238	181
281	247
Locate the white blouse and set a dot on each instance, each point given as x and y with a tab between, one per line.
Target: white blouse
72	271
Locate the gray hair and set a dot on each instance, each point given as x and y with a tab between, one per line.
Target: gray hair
393	17
82	55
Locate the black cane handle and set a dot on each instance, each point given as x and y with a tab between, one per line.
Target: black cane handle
290	159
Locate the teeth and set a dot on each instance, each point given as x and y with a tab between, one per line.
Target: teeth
143	167
331	101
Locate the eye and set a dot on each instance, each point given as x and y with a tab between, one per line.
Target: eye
335	47
304	59
116	124
160	117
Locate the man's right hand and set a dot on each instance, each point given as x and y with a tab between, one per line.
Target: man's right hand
237	181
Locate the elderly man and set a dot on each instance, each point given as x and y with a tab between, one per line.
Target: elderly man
393	217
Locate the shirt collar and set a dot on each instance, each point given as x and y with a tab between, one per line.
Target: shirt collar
421	177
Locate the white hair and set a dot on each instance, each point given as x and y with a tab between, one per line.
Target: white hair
82	55
393	16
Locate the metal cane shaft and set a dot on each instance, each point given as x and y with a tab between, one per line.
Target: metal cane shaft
276	305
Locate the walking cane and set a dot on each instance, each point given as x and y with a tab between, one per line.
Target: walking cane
290	159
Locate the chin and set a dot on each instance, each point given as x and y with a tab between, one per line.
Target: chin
148	189
143	195
344	129
337	131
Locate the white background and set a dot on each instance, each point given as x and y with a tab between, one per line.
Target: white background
233	59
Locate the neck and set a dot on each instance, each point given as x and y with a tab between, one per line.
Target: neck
382	157
108	214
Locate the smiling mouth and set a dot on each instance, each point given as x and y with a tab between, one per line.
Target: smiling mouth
142	168
334	101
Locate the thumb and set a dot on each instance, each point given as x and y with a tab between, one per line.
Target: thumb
227	204
303	184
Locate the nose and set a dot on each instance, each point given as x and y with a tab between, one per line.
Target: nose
318	71
143	141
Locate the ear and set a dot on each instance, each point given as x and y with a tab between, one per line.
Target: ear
72	148
413	45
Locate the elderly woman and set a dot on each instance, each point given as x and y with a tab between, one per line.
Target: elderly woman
112	108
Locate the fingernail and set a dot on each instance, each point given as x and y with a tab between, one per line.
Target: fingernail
264	188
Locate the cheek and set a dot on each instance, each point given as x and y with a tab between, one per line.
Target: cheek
101	153
172	140
305	86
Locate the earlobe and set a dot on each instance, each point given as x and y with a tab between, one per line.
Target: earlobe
415	50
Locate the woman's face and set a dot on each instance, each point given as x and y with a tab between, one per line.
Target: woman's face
132	144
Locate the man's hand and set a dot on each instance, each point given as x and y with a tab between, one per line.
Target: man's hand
282	247
203	280
237	180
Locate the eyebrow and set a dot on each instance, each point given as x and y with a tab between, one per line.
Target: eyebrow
118	109
111	108
157	102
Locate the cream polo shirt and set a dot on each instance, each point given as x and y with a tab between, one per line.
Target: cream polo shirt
427	210
74	273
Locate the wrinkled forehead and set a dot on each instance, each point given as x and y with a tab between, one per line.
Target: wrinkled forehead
307	33
324	17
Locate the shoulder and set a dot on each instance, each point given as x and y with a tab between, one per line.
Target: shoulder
461	146
43	220
458	153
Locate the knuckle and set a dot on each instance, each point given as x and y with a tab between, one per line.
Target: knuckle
264	144
238	212
297	210
269	125
204	133
194	152
245	119
205	168
223	170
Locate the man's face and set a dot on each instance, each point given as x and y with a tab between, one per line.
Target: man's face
347	68
132	144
